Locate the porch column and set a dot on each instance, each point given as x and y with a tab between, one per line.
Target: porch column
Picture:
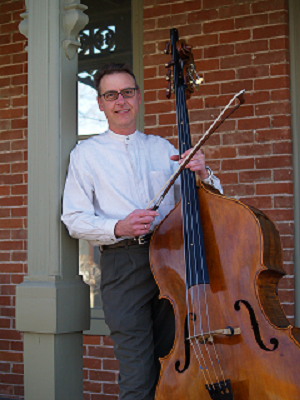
52	304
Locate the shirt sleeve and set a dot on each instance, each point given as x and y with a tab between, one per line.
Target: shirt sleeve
78	209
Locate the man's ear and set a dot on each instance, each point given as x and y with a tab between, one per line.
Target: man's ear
99	103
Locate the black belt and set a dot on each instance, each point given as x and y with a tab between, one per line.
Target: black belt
140	241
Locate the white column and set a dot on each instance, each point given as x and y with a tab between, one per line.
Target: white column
52	304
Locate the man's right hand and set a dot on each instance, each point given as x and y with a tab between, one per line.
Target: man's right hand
136	223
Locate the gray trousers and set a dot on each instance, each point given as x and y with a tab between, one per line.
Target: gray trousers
142	326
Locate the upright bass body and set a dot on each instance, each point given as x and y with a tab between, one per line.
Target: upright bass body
261	355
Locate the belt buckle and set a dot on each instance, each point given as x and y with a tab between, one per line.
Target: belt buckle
142	240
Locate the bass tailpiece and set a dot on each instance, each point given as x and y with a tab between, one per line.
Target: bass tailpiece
220	390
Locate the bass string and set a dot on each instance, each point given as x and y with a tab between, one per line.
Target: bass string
191	237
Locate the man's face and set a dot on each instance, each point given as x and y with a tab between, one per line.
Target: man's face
121	113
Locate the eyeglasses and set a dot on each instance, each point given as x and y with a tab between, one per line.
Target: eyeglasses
113	94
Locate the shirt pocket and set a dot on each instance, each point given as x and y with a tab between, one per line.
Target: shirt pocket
157	180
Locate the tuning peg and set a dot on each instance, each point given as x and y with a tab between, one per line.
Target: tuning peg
167	48
169	64
199	81
168	76
169	90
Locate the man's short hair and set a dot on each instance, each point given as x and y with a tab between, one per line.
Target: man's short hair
110	69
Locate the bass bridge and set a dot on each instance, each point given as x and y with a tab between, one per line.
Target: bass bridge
220	390
208	337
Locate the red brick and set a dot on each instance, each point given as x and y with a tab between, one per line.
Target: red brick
282	148
103	397
281	94
9	312
19	189
19	123
261	202
270	162
238	138
239	190
251	47
270	57
202	15
171	20
110	388
205	65
255	176
279	69
148	24
235	36
20	79
11	48
236	61
253	123
88	339
110	364
12	378
255	149
4	367
218	26
236	86
274	188
270	31
161	131
102	376
285	201
267	135
149	72
285	174
219	51
269	5
92	386
279	44
158	108
200	41
235	10
237	164
18	369
150	120
11	113
251	21
281	121
156	11
20	58
273	108
7	7
19	391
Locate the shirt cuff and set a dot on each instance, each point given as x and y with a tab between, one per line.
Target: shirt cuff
109	231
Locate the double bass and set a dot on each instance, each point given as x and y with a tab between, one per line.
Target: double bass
218	262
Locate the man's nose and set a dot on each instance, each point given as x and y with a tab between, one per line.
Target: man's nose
120	99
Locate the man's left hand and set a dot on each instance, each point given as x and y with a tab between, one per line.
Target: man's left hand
196	164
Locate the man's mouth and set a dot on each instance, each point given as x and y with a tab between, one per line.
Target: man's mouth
122	111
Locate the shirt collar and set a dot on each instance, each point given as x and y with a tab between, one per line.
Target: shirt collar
121	138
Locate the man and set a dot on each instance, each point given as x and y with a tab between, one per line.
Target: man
111	179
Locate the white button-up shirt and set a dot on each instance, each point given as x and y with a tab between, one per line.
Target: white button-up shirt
110	176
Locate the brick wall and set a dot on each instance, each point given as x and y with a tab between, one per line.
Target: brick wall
13	192
237	44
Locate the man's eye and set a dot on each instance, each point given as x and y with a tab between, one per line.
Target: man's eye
127	92
110	95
